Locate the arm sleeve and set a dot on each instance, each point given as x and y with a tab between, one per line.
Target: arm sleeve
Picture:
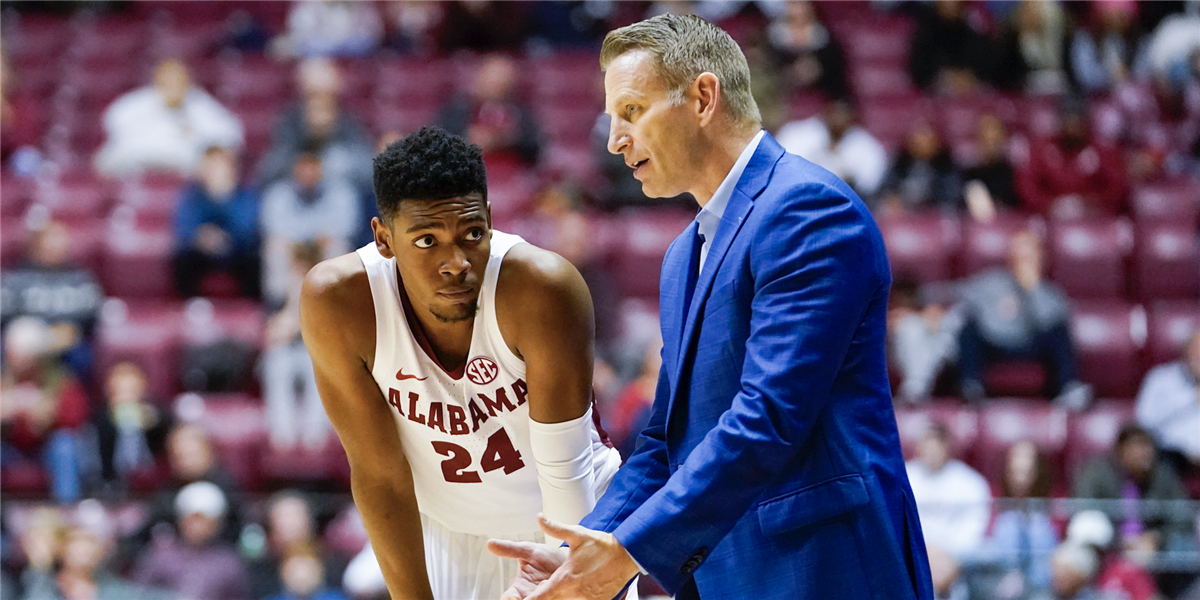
816	272
563	454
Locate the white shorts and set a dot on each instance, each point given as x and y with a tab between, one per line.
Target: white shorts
461	567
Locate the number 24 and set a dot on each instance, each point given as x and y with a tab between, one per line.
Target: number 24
499	454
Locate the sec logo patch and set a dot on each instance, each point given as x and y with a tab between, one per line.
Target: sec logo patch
482	370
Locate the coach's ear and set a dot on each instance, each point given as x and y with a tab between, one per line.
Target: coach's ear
706	92
383	238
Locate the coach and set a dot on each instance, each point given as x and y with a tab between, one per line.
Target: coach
771	466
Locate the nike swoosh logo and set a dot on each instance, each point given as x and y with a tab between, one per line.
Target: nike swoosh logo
401	376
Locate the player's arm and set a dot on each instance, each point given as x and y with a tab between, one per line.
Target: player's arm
545	313
337	323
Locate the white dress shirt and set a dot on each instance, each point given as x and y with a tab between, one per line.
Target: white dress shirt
709	217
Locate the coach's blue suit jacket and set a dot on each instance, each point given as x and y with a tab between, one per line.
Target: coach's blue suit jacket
771	466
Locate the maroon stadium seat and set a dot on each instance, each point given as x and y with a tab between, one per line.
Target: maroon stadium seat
1011	379
921	245
137	261
890	118
405	80
74	196
871	82
644	238
253	77
146	332
1169	325
877	42
804	105
238	428
154	199
301	464
15	193
1087	258
1093	433
1002	423
1166	262
1174	201
985	245
567	78
962	421
1107	352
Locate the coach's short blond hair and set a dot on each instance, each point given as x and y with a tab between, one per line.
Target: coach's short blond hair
682	47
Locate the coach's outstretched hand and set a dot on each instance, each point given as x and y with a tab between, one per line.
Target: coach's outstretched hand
596	568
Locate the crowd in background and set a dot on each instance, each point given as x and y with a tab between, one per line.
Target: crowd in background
195	190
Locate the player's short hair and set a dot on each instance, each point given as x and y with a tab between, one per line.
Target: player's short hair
682	47
430	164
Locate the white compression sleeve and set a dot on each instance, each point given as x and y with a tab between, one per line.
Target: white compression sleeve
563	453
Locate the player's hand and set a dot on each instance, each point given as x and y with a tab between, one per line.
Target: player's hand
597	567
538	562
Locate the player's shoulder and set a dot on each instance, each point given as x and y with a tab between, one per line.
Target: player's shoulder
337	282
536	269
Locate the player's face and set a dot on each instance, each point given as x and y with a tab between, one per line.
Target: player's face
441	249
657	138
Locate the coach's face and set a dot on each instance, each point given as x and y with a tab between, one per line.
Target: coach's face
441	249
658	139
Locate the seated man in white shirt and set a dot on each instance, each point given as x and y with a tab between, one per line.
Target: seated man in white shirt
165	126
1169	406
836	143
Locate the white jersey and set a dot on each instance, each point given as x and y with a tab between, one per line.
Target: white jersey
465	434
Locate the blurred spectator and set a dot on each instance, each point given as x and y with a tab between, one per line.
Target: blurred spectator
922	176
1104	49
1074	569
1168	406
40	543
922	339
1033	54
83	571
412	25
1013	314
216	227
303	578
20	123
191	458
1132	473
949	49
291	528
492	116
631	413
806	52
570	24
834	141
131	431
1172	45
1072	175
197	565
363	579
44	406
991	185
310	206
484	26
946	572
953	499
315	122
49	286
165	126
331	28
1119	576
1023	536
294	412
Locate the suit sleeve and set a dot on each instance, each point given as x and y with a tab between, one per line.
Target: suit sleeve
643	474
816	268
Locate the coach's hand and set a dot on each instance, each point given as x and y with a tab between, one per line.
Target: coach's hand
597	567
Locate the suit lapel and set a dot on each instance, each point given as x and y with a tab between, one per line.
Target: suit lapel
754	179
674	286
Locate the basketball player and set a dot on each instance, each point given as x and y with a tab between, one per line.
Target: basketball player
455	362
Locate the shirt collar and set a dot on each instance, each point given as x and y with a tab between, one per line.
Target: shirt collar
710	216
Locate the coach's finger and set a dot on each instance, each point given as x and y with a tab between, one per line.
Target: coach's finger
571	534
507	549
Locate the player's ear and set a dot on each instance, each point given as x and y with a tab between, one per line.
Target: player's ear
383	237
706	92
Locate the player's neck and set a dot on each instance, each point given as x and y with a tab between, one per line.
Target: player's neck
450	342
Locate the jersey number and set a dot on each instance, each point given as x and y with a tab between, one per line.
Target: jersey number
499	454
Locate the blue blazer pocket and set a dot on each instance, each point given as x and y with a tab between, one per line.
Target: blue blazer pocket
812	504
